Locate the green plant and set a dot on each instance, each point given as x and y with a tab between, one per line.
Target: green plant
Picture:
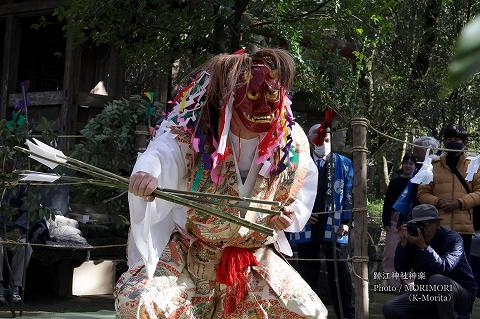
13	134
109	143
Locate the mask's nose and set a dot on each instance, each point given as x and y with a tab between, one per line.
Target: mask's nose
262	107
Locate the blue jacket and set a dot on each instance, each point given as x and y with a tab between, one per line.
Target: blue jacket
444	255
323	230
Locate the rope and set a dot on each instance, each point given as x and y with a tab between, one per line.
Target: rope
360	210
366	122
319	259
16	243
362	149
61	136
353	259
421	146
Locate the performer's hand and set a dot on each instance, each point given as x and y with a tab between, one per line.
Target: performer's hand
283	221
143	184
313	219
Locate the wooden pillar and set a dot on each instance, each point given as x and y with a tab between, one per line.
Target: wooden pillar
71	76
116	74
161	87
11	52
141	137
360	258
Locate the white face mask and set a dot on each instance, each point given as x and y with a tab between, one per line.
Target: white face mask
322	150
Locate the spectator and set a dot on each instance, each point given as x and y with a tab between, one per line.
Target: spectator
436	253
392	218
20	260
421	143
446	191
475	259
320	224
14	199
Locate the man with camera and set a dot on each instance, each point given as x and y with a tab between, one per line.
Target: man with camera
444	284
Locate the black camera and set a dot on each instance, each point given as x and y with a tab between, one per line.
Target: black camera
412	229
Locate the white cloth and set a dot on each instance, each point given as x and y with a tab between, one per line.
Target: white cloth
152	223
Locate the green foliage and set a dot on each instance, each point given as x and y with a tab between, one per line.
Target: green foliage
109	137
10	160
386	60
467	59
109	143
375	207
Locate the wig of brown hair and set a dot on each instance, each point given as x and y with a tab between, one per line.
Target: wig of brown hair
226	75
226	71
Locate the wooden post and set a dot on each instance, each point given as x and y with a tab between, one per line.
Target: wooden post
71	76
116	74
141	137
11	52
360	258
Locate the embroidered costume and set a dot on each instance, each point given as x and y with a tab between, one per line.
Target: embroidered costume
185	264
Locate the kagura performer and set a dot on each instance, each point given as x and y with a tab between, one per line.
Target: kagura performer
231	131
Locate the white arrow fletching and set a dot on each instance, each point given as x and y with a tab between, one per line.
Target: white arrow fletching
47	152
48	148
38	151
39	177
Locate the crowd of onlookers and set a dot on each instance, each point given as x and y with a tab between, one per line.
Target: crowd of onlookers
429	221
429	227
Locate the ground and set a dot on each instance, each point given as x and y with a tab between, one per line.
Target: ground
102	307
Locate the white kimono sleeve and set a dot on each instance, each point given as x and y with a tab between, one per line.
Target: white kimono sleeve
152	223
302	206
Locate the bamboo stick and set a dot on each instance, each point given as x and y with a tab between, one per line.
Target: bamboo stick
157	193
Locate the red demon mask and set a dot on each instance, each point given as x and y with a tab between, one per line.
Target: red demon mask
257	102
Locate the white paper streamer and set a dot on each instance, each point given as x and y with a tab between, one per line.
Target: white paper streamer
265	170
222	144
472	168
425	174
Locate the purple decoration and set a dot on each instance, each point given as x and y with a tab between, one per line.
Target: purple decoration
201	145
20	106
280	168
206	161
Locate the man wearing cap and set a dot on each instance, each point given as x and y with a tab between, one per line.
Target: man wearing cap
444	284
446	191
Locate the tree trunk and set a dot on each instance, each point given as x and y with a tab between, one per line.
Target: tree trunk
382	171
239	7
421	62
218	33
401	151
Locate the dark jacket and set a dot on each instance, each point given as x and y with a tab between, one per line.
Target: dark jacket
394	189
444	255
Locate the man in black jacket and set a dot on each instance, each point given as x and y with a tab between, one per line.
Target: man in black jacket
444	284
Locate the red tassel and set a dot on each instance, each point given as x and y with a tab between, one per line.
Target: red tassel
231	272
329	115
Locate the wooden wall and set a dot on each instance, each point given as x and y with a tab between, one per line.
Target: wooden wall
61	74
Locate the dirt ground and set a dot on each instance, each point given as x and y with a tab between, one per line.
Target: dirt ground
102	307
44	306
